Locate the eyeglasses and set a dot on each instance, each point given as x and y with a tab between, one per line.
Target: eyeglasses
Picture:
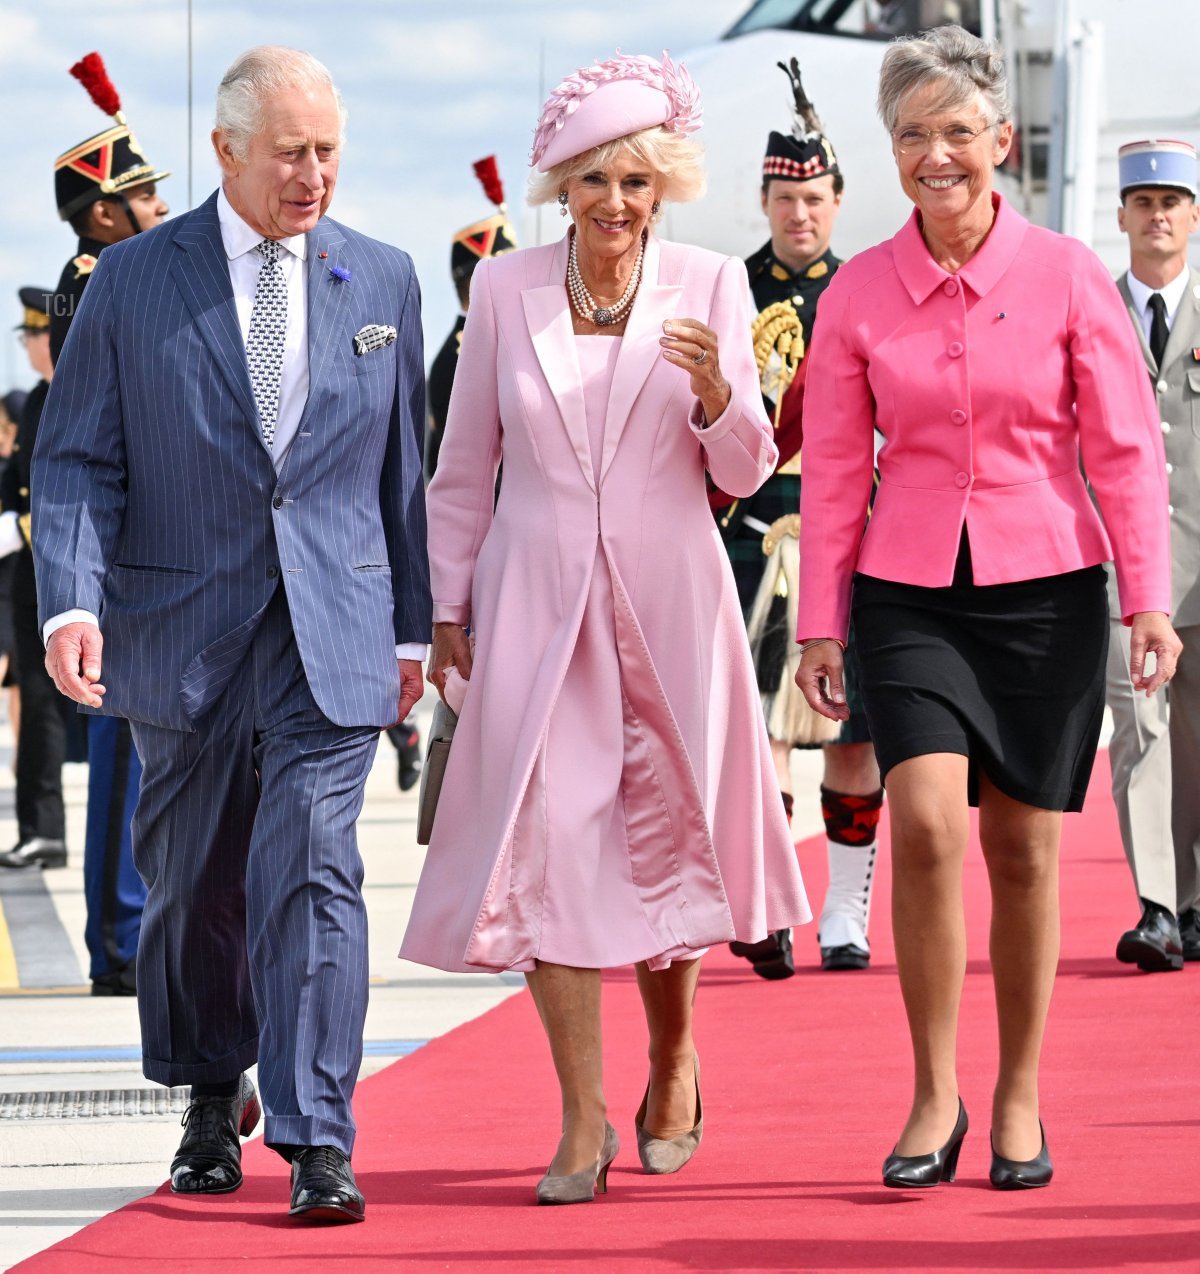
912	140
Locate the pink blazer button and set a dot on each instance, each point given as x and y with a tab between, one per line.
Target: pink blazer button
962	479
958	416
950	287
955	349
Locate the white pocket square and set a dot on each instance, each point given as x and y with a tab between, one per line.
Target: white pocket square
373	336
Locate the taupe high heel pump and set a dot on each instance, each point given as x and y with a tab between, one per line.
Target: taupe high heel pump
663	1155
582	1186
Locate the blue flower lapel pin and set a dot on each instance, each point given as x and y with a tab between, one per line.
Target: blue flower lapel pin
340	273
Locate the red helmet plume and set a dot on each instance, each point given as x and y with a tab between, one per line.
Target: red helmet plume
90	72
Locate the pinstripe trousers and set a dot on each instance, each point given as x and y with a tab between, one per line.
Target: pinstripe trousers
254	937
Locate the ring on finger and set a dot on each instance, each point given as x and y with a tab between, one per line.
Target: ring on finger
701	358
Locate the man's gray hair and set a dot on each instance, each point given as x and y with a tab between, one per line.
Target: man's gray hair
960	63
254	77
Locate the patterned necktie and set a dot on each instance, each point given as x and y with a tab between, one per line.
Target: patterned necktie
264	343
1158	327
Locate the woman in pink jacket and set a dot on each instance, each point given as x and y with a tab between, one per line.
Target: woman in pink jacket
610	797
992	356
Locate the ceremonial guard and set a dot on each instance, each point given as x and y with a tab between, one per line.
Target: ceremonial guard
107	190
477	242
1155	746
474	243
42	742
801	196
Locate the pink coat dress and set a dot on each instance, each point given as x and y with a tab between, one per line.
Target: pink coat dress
610	795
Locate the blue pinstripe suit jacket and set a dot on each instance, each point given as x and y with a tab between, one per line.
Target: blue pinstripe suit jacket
158	507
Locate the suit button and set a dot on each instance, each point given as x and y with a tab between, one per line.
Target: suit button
950	287
277	503
1161	386
955	349
24	493
272	571
962	479
958	416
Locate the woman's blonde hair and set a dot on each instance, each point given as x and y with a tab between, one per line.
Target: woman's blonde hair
675	160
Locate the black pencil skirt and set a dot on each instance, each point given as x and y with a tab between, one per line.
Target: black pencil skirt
1009	675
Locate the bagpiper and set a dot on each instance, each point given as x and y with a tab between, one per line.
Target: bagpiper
802	187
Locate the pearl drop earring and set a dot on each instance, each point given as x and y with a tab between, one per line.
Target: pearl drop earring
562	203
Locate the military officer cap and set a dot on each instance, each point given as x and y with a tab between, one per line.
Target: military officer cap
806	153
489	237
108	164
36	304
14	404
1157	163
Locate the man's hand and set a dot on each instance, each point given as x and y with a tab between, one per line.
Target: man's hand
73	662
411	685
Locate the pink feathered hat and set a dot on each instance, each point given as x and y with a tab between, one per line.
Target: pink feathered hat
612	99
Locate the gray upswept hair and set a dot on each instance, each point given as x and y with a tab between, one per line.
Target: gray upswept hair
254	76
675	160
961	63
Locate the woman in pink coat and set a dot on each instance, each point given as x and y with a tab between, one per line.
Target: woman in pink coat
992	356
610	797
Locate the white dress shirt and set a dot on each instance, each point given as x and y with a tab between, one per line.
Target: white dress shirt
240	241
1172	295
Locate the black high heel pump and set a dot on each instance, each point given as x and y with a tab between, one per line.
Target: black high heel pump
919	1172
1022	1174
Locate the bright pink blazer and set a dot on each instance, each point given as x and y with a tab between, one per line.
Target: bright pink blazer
988	386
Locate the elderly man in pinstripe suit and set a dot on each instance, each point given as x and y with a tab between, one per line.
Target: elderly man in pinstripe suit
231	555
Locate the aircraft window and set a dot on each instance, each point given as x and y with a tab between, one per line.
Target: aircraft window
874	19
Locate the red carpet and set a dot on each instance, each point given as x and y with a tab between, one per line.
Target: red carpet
805	1088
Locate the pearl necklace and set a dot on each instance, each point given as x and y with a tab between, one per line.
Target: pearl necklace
583	301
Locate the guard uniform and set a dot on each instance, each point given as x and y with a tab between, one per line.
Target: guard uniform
45	714
761	535
481	240
1155	746
104	166
474	243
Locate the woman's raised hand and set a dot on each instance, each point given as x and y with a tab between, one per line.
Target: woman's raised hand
689	344
821	679
451	649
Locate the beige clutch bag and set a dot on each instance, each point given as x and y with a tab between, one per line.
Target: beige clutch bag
441	735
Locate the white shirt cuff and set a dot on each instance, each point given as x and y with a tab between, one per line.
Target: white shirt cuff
412	650
55	622
11	539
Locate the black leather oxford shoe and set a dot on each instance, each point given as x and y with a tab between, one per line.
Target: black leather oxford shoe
1189	933
771	958
323	1186
37	851
209	1158
1154	945
122	981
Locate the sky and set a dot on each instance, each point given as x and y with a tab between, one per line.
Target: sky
430	87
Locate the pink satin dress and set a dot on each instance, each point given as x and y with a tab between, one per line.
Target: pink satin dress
591	913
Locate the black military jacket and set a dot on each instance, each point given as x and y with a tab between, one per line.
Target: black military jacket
66	298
